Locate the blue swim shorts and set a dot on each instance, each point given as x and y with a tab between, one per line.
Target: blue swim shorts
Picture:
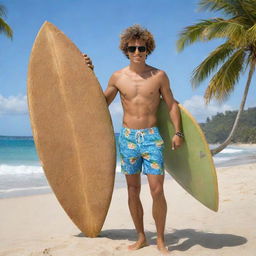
143	147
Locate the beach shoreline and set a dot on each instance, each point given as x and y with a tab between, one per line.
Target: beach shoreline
244	145
37	225
25	184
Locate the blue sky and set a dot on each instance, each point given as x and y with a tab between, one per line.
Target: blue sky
95	26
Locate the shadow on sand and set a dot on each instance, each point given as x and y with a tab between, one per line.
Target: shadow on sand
189	237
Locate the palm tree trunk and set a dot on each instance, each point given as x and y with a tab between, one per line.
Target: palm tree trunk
227	141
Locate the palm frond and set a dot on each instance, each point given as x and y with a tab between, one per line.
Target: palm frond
226	29
247	7
226	6
234	8
5	28
192	34
223	82
210	64
213	28
251	34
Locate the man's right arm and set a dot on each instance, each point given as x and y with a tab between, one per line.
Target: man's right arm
111	91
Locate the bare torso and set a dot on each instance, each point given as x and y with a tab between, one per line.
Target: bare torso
140	96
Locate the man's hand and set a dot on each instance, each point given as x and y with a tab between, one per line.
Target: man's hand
88	61
176	142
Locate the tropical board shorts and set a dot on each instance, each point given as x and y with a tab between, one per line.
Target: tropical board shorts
142	147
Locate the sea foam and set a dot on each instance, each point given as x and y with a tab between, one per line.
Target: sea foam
231	151
28	169
19	169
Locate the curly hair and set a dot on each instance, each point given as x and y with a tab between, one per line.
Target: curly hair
136	32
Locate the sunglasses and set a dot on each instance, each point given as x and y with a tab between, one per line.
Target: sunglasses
133	48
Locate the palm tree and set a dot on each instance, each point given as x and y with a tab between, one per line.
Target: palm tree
4	27
232	58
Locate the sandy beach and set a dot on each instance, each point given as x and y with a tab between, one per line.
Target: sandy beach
37	225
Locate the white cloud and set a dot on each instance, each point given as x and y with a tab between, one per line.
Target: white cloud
13	105
197	107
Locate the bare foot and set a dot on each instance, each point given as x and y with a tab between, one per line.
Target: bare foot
161	247
142	242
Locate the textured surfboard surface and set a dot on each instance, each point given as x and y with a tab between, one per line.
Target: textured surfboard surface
191	165
72	129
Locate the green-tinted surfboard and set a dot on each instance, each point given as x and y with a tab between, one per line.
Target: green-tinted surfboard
191	165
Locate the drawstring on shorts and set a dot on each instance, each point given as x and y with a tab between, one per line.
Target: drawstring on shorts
139	137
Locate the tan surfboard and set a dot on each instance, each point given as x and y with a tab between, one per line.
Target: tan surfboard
72	129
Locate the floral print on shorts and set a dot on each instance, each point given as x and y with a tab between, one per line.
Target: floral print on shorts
141	148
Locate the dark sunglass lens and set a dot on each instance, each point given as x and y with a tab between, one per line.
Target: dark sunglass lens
142	48
131	48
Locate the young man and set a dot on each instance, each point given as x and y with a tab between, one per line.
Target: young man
140	87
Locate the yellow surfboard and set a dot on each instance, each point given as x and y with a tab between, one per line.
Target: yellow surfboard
72	129
191	165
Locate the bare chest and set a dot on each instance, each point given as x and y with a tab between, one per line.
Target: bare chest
131	87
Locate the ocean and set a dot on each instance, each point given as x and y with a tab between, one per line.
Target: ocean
22	175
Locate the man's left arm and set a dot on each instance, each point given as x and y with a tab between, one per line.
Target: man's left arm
173	108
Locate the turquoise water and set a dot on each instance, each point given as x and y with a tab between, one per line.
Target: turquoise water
21	173
20	170
18	151
22	151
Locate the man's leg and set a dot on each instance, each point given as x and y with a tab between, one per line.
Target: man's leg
159	208
136	210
